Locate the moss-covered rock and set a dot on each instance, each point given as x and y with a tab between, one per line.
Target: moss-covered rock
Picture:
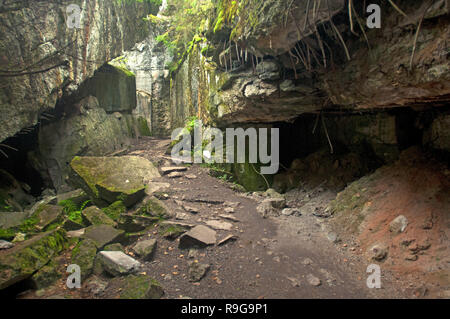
47	215
46	276
145	248
26	258
114	210
109	179
144	130
153	207
114	247
115	88
135	223
137	287
103	235
95	216
83	255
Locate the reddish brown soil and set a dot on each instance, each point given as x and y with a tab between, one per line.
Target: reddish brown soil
417	187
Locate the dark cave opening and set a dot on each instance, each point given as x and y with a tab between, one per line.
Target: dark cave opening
348	146
16	162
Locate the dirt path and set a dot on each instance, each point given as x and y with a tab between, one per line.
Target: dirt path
272	258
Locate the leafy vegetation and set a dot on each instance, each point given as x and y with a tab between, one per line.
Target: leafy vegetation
72	211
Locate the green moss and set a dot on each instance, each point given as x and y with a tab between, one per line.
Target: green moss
144	130
28	226
72	211
37	252
138	287
83	171
83	255
171	231
115	210
153	208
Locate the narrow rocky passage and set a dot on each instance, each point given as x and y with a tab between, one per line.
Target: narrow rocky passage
287	257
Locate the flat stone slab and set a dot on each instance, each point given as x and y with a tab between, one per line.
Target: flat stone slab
103	235
136	287
48	214
200	236
5	244
219	225
229	217
171	169
25	258
109	179
95	216
76	233
145	248
175	175
12	219
227	239
117	263
154	187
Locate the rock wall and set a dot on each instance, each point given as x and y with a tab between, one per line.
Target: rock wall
101	123
42	59
149	60
274	69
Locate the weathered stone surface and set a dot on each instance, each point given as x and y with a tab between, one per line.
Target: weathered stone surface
90	132
291	212
96	286
46	276
438	135
117	263
219	225
103	235
26	258
227	239
115	210
71	225
109	179
167	170
95	216
155	208
145	248
76	233
173	230
83	255
272	193
197	271
5	244
114	247
271	207
48	214
313	280
78	197
12	219
378	252
135	223
62	50
398	225
229	217
114	87
175	175
136	287
200	236
268	70
13	194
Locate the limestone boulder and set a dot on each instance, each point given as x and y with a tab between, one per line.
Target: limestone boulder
110	179
25	258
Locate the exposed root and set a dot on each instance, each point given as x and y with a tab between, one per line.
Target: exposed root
397	8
